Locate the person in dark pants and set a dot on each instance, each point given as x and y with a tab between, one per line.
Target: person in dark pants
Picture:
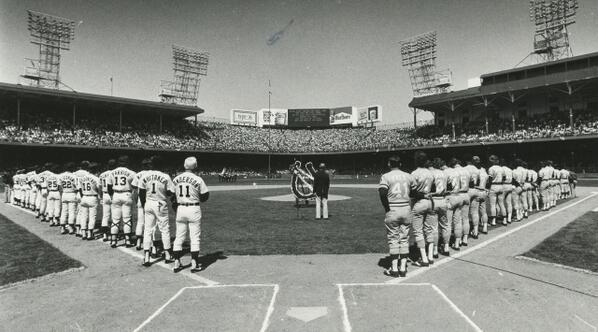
321	186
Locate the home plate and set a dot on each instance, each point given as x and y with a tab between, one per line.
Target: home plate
291	198
307	314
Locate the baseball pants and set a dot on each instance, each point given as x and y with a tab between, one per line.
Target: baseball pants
321	207
474	209
54	204
43	204
188	220
69	209
464	213
516	196
482	201
420	214
88	209
545	193
157	212
122	203
106	210
508	192
453	217
439	207
35	198
140	220
398	223
497	201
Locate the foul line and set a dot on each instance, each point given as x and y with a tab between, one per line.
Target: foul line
130	252
588	324
265	323
486	243
347	324
454	306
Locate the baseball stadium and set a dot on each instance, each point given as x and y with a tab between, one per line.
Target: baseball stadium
244	205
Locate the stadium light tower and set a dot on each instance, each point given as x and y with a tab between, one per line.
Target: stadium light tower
189	65
551	20
419	56
52	34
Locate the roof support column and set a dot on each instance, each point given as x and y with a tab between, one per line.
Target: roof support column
571	116
18	111
486	114
120	120
74	114
453	125
196	120
415	118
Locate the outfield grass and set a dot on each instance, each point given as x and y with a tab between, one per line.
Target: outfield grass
238	222
574	245
23	255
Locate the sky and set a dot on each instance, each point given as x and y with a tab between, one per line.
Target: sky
335	53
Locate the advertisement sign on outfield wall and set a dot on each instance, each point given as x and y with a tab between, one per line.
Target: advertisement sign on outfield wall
244	117
274	117
341	115
369	114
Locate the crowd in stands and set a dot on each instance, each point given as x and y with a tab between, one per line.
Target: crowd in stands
184	135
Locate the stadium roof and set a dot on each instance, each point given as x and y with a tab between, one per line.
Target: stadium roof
49	96
572	72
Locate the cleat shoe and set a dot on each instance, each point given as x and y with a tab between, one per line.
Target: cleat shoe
430	261
474	236
456	248
177	266
420	263
147	263
464	244
443	252
138	248
436	256
394	274
196	268
63	231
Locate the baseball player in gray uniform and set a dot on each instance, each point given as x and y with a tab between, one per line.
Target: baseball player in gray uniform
496	195
440	207
394	189
421	206
191	191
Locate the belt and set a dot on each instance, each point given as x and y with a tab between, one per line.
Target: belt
189	204
438	196
91	195
464	192
54	190
122	191
398	204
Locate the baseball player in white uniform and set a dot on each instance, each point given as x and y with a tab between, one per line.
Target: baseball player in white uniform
68	214
154	189
89	189
79	174
43	192
106	200
190	192
139	233
120	191
54	195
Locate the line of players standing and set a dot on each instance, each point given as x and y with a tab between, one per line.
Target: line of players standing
72	199
440	206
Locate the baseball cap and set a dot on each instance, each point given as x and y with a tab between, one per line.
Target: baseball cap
322	165
190	163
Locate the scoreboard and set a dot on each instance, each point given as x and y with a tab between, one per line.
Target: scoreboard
309	118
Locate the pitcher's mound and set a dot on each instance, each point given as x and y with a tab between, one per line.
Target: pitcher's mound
291	198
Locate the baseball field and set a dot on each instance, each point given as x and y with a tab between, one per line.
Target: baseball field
272	267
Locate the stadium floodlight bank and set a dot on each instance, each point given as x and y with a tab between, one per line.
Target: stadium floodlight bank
419	56
189	65
551	20
52	34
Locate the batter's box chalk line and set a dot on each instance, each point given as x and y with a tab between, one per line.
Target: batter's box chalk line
265	322
347	323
